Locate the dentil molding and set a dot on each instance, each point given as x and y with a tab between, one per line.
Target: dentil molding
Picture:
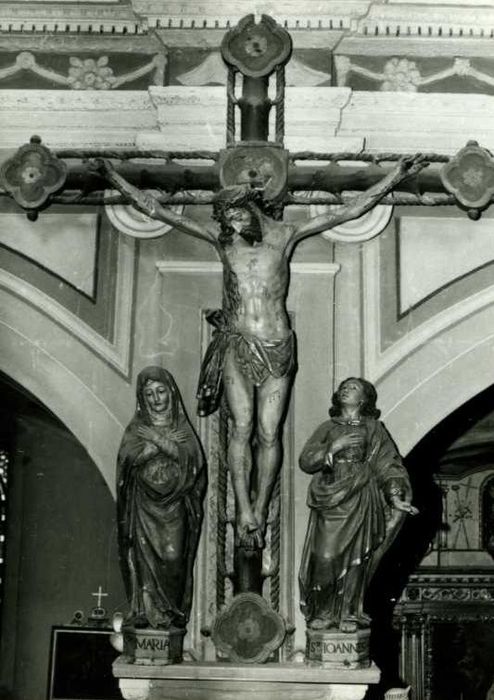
373	18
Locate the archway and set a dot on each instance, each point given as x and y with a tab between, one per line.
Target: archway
61	540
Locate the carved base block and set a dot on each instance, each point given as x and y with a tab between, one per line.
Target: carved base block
333	649
153	647
228	681
248	630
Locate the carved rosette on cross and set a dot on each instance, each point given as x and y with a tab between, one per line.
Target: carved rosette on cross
32	175
470	177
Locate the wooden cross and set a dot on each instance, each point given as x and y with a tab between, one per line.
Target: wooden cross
35	177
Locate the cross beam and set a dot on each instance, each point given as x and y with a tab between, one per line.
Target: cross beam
254	54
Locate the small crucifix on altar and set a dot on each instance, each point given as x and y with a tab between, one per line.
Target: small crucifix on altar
98	612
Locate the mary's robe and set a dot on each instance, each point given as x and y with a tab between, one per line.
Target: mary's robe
159	505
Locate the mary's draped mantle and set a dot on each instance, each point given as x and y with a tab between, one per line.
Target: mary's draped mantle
159	505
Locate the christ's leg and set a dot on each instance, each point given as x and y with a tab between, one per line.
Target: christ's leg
272	401
239	392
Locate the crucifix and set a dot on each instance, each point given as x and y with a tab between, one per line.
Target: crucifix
251	360
99	595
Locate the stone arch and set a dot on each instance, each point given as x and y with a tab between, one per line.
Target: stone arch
433	380
66	395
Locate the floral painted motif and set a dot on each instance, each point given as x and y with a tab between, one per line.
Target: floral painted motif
401	75
90	74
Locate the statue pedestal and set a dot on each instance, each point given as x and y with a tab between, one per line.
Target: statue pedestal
217	681
153	647
333	649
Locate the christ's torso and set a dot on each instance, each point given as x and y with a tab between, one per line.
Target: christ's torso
256	285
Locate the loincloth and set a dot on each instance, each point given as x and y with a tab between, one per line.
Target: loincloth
257	360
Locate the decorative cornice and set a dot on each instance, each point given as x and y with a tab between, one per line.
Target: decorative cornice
60	43
178	117
421	46
442	586
65	18
432	19
208	267
357	17
63	118
219	14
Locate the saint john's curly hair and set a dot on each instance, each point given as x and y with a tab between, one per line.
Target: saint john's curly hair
370	399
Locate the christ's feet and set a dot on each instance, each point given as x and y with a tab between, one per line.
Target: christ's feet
249	535
260	516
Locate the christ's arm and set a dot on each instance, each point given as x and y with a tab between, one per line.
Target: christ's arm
148	204
406	167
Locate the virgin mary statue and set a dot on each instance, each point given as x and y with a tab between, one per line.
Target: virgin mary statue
161	481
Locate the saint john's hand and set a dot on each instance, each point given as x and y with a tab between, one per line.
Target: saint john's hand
404	506
344	441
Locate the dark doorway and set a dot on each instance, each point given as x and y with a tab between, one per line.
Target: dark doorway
61	540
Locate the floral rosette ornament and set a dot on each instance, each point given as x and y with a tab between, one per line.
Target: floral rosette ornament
33	174
470	177
247	630
90	74
256	49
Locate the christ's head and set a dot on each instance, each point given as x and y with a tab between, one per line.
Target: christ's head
237	211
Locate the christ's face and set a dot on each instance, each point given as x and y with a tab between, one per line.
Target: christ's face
238	218
157	398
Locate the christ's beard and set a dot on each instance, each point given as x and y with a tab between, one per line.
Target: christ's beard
251	234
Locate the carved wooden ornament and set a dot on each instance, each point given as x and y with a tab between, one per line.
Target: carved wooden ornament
261	166
470	176
33	174
248	630
256	49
